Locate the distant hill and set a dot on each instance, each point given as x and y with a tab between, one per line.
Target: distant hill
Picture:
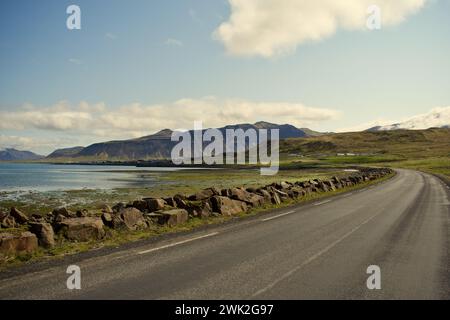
11	154
436	118
159	145
420	143
67	152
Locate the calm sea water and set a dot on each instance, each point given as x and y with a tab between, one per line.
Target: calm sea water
49	177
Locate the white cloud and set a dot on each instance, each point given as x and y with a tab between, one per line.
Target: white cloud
39	145
173	42
271	27
137	119
366	125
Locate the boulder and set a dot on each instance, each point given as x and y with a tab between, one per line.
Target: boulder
227	206
133	218
282	195
118	206
10	244
251	189
82	213
180	200
141	205
265	194
107	219
8	222
225	193
171	202
275	198
154	204
152	218
204	194
251	199
105	208
117	223
44	233
37	218
82	229
323	186
62	211
200	210
18	216
297	192
274	195
173	217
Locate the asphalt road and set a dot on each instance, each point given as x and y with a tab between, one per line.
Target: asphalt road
316	251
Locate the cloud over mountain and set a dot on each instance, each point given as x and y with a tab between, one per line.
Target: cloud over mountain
272	27
135	120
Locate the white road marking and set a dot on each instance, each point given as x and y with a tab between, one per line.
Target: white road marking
347	194
278	216
313	257
177	243
323	202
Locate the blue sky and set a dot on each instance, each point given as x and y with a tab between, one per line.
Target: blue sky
143	57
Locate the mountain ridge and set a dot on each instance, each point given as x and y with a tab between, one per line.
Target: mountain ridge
159	144
11	154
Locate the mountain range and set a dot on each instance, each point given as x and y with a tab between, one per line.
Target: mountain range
159	145
11	154
436	118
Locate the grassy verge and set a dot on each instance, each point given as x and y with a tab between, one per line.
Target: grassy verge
116	238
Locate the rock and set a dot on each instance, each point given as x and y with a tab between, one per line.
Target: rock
281	185
251	199
205	210
133	218
173	217
227	206
37	217
119	206
297	192
8	222
82	229
200	210
171	202
141	205
44	233
105	208
152	218
265	194
18	216
276	198
59	218
204	194
330	185
82	213
180	200
117	223
11	244
282	195
323	186
62	211
225	193
154	204
107	219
